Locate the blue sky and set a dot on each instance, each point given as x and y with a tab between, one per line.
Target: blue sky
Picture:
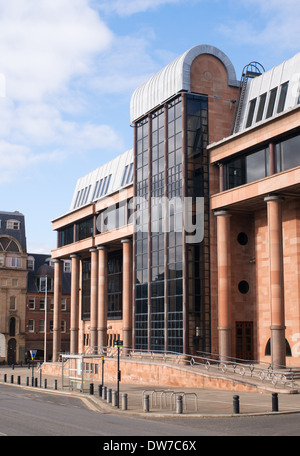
71	66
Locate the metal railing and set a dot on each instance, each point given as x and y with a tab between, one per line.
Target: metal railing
228	368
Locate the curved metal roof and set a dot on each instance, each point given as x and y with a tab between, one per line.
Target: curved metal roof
172	79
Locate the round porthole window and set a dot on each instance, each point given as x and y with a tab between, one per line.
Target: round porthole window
242	238
243	287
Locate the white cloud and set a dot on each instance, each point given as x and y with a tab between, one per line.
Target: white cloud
273	24
44	44
129	7
48	51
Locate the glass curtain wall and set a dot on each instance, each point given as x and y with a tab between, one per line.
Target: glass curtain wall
114	285
86	289
141	236
172	277
197	250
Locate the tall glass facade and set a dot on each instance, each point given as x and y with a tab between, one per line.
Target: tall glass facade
172	310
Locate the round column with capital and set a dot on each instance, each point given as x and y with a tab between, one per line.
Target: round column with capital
278	348
224	283
94	292
127	293
74	304
57	309
102	296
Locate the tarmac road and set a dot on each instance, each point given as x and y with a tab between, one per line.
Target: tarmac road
29	412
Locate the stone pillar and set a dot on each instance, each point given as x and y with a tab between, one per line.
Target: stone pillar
102	296
57	309
127	293
94	301
224	283
74	304
278	348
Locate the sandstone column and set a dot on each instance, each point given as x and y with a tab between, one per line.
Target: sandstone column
224	283
102	296
127	293
74	304
57	309
278	349
94	292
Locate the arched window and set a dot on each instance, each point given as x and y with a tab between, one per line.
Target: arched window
12	327
8	245
30	263
268	348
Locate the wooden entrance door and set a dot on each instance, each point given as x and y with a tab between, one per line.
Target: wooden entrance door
244	340
11	351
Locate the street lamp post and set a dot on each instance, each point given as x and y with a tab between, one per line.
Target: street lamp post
45	328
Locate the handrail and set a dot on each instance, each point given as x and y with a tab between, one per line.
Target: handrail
228	366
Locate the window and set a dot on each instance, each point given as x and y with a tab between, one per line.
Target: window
30	325
251	113
12	225
8	245
261	107
31	304
66	236
85	229
86	289
14	262
247	168
63	326
12	303
42	303
67	266
41	284
282	97
30	263
42	326
64	304
128	175
12	327
14	282
271	102
243	287
242	238
287	154
114	292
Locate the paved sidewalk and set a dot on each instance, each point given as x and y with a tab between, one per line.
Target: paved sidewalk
162	400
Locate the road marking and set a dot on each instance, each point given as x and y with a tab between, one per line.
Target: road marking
1	433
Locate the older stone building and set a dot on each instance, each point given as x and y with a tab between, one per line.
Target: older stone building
13	287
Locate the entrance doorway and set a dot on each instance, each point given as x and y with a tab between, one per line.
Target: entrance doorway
11	351
244	340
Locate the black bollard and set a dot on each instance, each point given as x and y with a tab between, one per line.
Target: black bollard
35	382
5	378
100	390
104	395
91	389
236	404
45	383
274	402
19	380
55	384
11	379
27	381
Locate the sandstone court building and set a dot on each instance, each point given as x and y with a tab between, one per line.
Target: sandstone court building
189	242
